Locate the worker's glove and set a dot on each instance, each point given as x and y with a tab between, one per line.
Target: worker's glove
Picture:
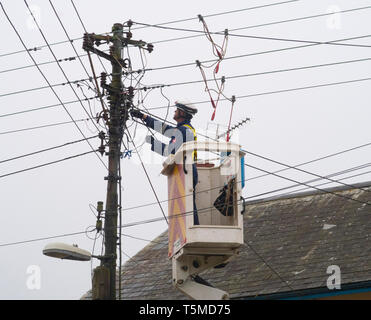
149	139
136	114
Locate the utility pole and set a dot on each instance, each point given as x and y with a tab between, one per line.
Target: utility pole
120	100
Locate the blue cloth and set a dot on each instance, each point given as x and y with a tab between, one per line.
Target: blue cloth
177	135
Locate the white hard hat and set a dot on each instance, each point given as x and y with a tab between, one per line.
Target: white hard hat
186	106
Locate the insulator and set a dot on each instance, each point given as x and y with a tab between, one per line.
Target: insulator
150	47
99	225
100	206
103	78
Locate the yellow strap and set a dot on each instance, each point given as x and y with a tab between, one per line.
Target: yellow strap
194	153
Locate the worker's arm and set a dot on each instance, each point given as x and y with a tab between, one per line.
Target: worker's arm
152	123
156	145
159	126
177	136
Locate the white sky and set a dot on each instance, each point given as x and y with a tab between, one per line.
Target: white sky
291	127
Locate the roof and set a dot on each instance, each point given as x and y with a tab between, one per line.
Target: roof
289	244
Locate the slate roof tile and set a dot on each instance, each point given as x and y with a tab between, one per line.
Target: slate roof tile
296	237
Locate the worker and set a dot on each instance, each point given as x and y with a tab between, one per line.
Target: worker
183	132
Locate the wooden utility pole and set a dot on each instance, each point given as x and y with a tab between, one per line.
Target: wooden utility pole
115	128
120	100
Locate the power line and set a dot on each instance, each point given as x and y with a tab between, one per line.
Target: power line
45	87
237	201
256	37
45	78
40	47
276	92
260	73
82	232
221	13
290	167
311	181
40	64
41	239
256	53
267	192
324	183
53	54
44	150
284	188
207	101
46	126
305	184
68	37
148	178
127	225
231	77
258	25
83	26
301	170
36	48
138	238
296	168
317	159
206	61
46	164
81	63
156	42
201	81
43	108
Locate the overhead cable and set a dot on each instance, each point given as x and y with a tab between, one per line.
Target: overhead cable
259	73
277	91
300	170
222	33
47	149
53	54
46	126
148	178
42	108
45	78
41	239
46	164
256	53
231	77
221	13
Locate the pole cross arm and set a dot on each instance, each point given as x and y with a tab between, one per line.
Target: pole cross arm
138	43
104	55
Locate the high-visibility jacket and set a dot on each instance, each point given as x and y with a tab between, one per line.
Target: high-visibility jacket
194	153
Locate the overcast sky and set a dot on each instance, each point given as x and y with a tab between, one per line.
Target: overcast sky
291	127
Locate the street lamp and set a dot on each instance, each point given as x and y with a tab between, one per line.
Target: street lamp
66	251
